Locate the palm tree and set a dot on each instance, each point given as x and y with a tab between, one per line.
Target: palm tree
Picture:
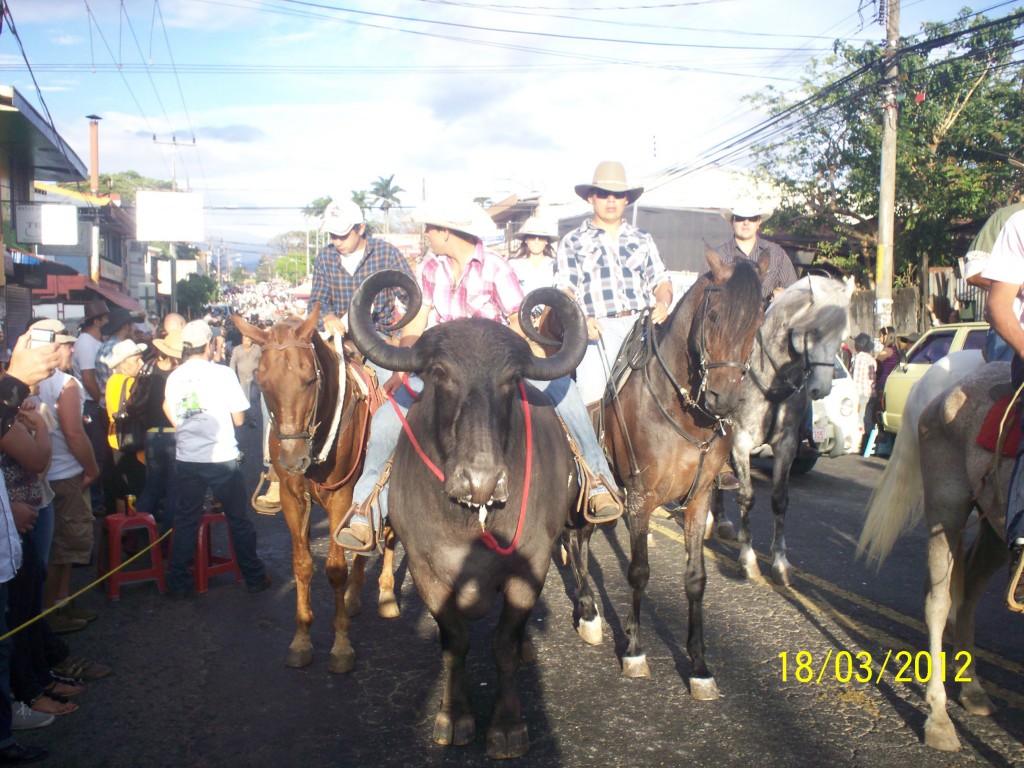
385	195
361	198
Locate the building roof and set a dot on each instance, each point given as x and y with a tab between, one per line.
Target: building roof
25	132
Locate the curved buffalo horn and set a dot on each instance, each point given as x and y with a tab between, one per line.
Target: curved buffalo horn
574	340
363	332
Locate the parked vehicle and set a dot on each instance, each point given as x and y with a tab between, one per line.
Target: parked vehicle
934	345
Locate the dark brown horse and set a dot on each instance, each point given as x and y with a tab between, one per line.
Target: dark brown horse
319	424
667	435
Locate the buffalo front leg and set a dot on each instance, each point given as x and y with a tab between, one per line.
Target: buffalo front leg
507	736
702	683
454	724
634	660
295	506
589	626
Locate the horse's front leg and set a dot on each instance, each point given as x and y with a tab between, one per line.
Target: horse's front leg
343	655
702	682
295	507
745	499
785	453
578	544
634	660
387	603
454	724
507	735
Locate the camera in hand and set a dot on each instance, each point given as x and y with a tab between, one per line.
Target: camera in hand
39	337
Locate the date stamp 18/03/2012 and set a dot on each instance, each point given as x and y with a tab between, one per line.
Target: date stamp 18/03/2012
862	667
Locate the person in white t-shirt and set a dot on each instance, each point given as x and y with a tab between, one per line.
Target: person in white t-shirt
1006	307
205	403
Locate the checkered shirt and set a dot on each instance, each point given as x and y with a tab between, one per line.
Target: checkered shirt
864	374
333	286
606	283
488	287
780	269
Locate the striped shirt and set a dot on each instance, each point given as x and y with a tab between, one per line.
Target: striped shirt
780	269
487	288
333	285
609	278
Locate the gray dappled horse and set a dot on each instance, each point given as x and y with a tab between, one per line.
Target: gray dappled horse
791	364
939	469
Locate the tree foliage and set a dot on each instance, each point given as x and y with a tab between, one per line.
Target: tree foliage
960	147
195	292
125	184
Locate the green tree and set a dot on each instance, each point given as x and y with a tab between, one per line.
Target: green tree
385	196
123	183
960	142
361	198
195	292
292	267
315	209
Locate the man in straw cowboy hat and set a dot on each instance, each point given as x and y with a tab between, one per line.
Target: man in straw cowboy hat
460	278
614	272
747	218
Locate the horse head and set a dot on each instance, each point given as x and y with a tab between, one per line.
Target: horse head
471	371
293	382
726	310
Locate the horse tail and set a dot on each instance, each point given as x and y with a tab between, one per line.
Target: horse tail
895	505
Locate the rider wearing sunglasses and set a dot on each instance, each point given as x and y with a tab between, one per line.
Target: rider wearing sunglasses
746	218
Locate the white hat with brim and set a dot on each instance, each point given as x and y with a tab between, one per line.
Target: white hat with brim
609	176
340	217
536	227
747	209
123	350
60	333
468	218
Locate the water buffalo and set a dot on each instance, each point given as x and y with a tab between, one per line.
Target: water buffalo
482	484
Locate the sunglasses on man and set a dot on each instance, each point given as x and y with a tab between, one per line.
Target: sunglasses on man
738	219
604	194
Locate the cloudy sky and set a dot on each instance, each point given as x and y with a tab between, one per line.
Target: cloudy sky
288	101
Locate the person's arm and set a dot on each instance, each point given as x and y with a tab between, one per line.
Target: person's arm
32	452
170	414
69	415
92	384
1004	320
663	300
238	418
410	334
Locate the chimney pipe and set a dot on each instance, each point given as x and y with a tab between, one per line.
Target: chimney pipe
94	153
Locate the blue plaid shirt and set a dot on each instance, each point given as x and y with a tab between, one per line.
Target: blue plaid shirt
333	286
606	283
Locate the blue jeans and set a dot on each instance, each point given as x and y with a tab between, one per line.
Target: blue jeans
161	480
42	533
996	348
6	737
225	480
386	427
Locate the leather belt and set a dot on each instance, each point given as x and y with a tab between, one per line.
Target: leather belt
625	313
160	429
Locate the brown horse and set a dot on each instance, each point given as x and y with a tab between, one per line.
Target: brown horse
668	436
319	425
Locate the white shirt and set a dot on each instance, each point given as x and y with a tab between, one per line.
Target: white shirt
84	358
533	277
201	397
62	464
1006	262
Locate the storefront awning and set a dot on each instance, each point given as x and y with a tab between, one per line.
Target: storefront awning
65	286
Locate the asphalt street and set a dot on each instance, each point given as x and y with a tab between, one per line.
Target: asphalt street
202	683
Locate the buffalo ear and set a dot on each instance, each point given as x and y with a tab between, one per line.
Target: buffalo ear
248	329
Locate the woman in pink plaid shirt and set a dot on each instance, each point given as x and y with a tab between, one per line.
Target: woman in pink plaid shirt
864	366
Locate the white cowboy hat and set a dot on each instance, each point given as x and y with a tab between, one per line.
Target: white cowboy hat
123	350
610	176
469	218
747	208
340	217
538	228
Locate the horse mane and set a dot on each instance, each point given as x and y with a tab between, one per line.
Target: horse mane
813	304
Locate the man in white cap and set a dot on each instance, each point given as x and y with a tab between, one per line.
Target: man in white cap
204	402
460	278
747	218
614	272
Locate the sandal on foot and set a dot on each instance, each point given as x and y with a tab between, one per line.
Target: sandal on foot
81	669
59	688
51	704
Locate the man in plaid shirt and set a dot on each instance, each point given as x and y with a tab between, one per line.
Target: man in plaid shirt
460	278
612	269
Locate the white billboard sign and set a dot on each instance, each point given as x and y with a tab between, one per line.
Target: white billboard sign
170	216
46	223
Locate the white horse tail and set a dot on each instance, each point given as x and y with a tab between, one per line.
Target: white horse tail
896	503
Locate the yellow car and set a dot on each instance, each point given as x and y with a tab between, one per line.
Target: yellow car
931	347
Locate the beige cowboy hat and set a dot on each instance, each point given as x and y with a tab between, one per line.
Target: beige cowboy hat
60	333
538	228
748	208
170	345
610	176
468	218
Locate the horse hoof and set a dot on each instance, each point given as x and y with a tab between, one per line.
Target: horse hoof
504	743
941	736
725	532
781	576
341	663
298	657
635	666
455	733
703	688
976	702
590	631
751	570
353	607
527	651
387	606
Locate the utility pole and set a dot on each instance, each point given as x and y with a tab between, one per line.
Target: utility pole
887	185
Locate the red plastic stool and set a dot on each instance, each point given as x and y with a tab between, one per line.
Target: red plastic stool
208	564
116	526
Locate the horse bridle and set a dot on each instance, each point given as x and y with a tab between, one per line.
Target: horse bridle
311	425
778	394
